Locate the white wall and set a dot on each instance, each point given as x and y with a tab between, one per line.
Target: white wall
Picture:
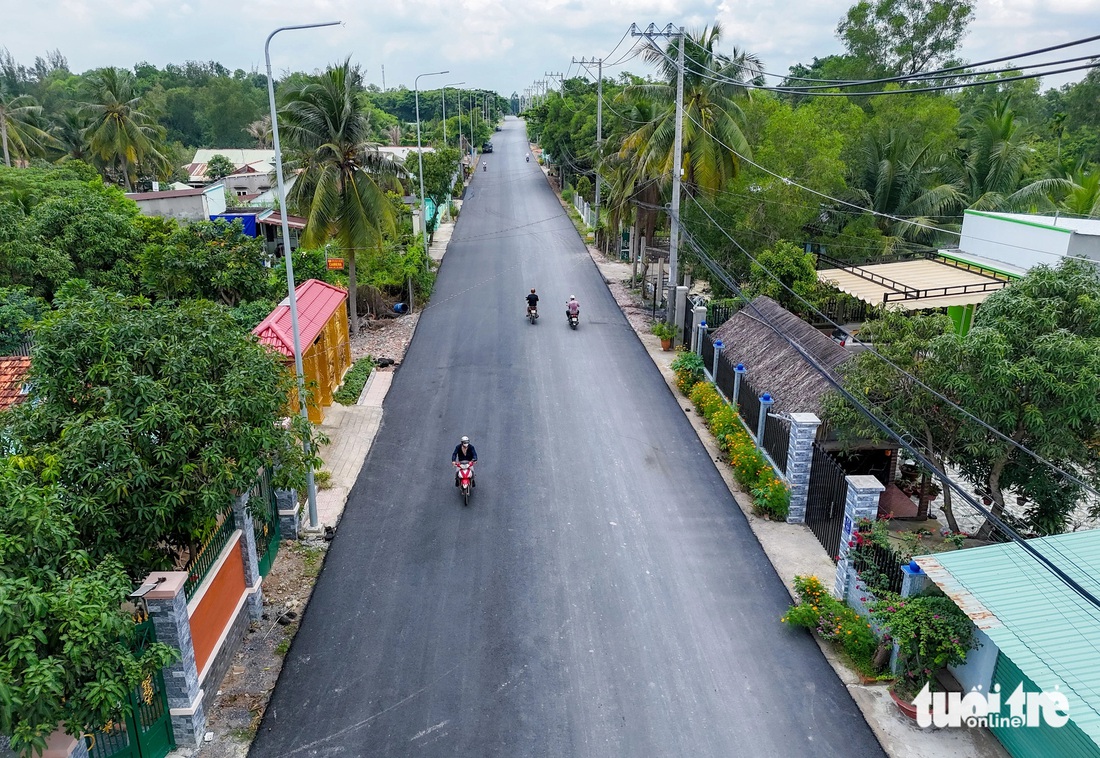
1013	242
978	669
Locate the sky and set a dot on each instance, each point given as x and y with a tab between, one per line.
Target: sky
501	45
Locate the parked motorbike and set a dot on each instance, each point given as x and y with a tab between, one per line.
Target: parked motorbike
465	479
532	312
574	319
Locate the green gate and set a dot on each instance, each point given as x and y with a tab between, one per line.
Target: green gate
146	729
265	520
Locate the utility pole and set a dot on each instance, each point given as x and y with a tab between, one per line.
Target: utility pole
561	78
383	77
599	125
677	161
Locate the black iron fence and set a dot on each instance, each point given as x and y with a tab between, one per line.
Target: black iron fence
720	313
825	499
879	567
777	436
708	351
842	309
748	403
725	379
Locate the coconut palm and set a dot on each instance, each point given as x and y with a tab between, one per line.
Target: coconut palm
68	129
1083	198
712	136
18	131
394	133
901	179
341	175
260	130
120	133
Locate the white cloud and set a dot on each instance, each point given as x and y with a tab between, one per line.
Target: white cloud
496	44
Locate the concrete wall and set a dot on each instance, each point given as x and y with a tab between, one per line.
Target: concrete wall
214	606
1013	242
978	669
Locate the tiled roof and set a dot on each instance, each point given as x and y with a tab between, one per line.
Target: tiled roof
13	375
317	301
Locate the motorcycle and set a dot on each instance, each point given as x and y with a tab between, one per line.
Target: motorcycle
574	319
528	158
484	166
532	312
465	479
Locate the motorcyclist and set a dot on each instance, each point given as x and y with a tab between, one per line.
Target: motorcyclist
464	451
572	307
528	157
532	300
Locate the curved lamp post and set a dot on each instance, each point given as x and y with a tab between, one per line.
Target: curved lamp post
420	156
311	487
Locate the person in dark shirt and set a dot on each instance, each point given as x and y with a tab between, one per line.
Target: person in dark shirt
464	451
532	301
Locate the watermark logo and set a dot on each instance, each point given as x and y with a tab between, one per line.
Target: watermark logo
975	708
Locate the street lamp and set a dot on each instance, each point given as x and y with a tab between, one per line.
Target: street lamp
445	86
311	487
420	156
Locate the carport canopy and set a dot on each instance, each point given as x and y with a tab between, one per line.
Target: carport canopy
916	284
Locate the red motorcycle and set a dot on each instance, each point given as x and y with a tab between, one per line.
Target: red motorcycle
465	479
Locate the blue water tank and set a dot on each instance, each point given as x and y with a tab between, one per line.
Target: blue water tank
400	308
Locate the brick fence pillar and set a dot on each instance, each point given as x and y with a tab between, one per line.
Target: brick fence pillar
800	455
861	503
168	609
290	514
251	557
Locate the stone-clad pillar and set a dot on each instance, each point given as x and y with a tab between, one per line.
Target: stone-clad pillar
800	454
243	521
289	514
168	609
861	503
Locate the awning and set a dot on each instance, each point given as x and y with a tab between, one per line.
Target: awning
916	284
276	219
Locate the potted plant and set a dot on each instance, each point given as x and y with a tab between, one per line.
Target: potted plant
665	333
932	633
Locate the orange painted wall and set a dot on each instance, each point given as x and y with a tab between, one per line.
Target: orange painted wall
215	610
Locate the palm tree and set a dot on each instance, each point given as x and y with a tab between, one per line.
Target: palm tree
901	179
17	127
341	174
395	134
712	137
260	130
119	133
1083	198
68	130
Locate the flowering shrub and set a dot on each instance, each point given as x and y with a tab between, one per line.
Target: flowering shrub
751	469
931	632
832	620
688	368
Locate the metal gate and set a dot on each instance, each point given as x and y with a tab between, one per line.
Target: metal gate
825	500
265	520
146	729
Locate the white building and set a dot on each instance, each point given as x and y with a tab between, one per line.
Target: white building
1016	242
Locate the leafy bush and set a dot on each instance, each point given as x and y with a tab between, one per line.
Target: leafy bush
567	194
931	631
663	330
354	381
688	367
751	469
832	620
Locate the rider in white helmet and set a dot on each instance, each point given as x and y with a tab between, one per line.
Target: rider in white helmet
464	451
572	307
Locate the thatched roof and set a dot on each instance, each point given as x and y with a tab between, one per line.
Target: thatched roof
774	366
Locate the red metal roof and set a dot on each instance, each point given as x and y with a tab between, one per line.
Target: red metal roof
13	375
317	301
275	219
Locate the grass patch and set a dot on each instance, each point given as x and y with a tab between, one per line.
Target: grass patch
312	558
354	381
282	648
323	479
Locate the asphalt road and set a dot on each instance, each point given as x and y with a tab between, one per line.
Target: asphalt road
602	595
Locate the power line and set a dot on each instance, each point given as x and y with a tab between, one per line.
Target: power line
813	363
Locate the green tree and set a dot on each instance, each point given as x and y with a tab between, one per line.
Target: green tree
68	644
219	167
120	132
342	179
155	416
206	259
712	135
19	310
18	128
794	267
905	37
1030	366
904	339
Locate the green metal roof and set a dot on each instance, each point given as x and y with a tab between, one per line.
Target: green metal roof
1049	631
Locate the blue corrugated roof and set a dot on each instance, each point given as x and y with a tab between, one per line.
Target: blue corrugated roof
1043	625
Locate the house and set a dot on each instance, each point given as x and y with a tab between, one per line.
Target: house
774	366
1017	242
266	224
186	205
13	380
323	335
259	162
1034	630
